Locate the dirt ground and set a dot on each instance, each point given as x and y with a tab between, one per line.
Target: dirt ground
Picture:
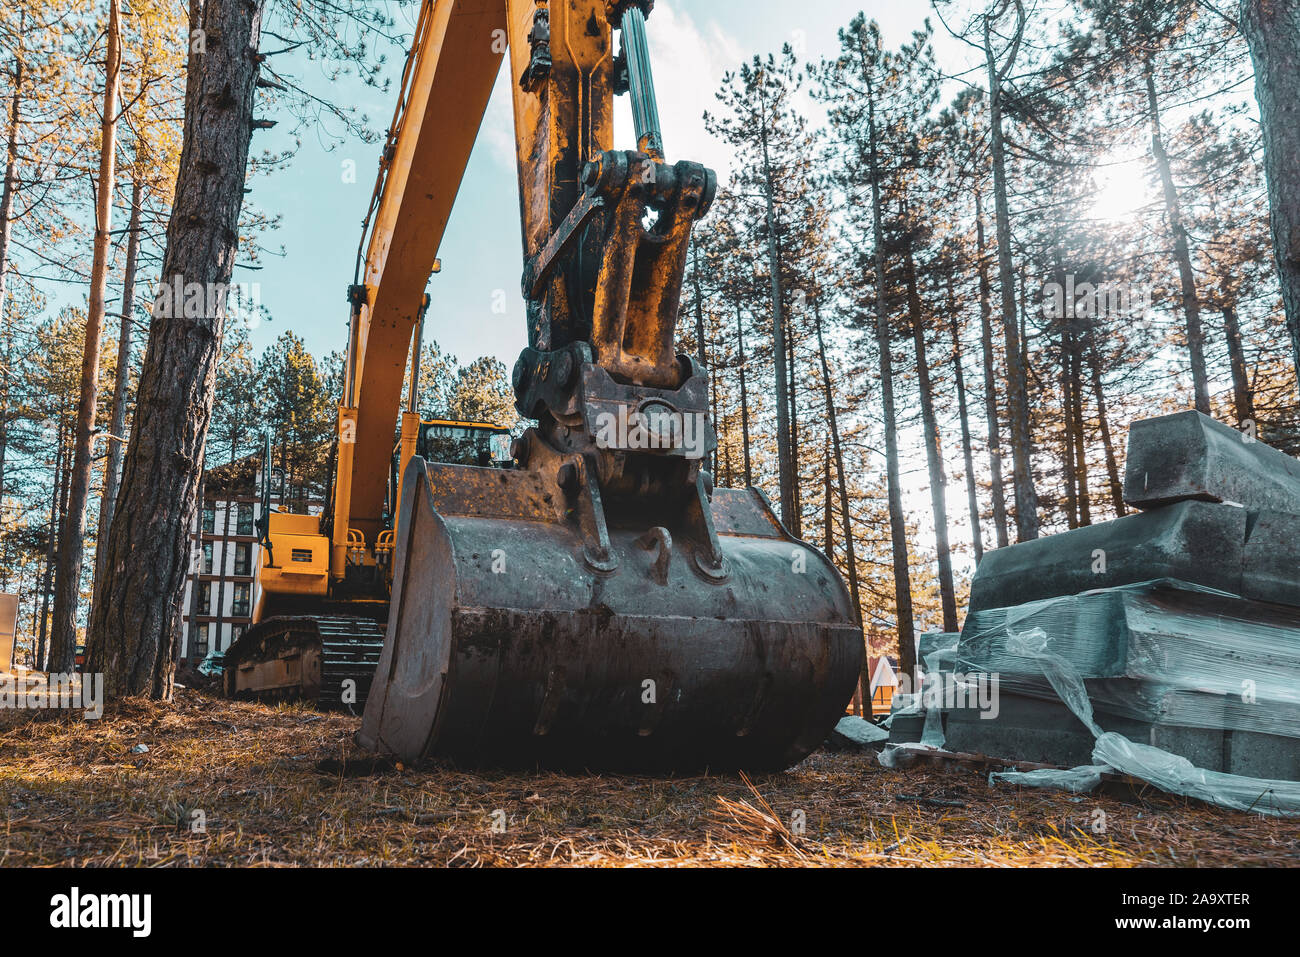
237	784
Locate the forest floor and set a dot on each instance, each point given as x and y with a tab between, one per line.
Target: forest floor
225	783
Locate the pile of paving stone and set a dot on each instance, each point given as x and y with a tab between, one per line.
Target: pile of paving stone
1183	619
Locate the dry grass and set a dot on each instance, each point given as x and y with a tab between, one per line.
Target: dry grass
74	793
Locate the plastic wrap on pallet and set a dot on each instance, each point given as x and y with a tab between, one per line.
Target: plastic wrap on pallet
932	642
905	704
1076	780
895	755
940	657
1162	651
1114	752
938	651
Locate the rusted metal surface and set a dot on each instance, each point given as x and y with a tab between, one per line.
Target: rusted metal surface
507	648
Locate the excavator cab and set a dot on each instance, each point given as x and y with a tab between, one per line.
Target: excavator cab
464	443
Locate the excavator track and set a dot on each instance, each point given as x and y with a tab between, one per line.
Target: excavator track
329	661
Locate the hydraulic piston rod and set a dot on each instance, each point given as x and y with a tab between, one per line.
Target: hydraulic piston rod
645	109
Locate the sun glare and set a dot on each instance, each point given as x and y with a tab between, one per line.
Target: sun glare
1122	192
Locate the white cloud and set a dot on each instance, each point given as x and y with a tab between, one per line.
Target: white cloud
688	67
499	122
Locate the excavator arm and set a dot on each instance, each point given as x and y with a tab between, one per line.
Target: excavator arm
593	280
601	604
454	62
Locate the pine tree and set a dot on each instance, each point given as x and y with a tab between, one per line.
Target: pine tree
298	415
1272	28
856	87
483	393
761	122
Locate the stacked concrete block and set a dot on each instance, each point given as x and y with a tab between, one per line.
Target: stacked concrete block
908	714
1183	620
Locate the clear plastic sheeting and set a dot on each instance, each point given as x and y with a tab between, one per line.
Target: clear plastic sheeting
1163	652
936	641
939	656
1114	752
890	757
1076	780
905	704
1175	774
932	736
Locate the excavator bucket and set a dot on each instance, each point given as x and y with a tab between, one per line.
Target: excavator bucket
510	646
601	606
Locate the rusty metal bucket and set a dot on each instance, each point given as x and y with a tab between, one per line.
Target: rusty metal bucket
507	648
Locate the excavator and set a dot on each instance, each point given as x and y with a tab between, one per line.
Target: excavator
598	604
304	646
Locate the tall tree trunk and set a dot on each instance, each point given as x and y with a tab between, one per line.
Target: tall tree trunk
963	410
1068	471
133	630
713	406
1080	438
991	414
897	518
832	416
785	472
7	192
744	400
1272	27
797	492
1022	443
11	175
700	352
1103	422
933	449
117	416
728	466
5	359
828	515
1070	409
50	551
67	583
1182	251
1242	395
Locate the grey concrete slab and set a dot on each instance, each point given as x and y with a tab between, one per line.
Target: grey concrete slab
1263	756
1088	630
1026	729
1189	456
1272	558
855	734
907	728
1204	747
1197	542
1047	732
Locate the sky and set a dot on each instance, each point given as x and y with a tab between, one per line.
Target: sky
693	44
